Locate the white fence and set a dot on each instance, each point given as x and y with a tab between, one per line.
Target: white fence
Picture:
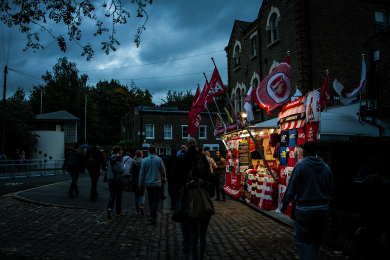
29	168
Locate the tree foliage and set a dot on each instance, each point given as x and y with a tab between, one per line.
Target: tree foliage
18	114
107	102
36	13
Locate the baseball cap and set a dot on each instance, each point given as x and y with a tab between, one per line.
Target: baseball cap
363	174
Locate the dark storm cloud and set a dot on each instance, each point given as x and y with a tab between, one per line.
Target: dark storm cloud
175	29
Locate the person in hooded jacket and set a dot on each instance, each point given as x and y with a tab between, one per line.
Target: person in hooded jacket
115	169
311	183
74	171
139	192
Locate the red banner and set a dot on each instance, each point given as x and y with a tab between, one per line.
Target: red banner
294	103
216	86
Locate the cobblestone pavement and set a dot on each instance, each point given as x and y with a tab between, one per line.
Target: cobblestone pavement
47	232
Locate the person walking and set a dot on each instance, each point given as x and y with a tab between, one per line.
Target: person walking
139	191
92	160
200	175
169	167
73	164
311	183
181	171
374	228
211	162
127	161
115	170
220	176
152	175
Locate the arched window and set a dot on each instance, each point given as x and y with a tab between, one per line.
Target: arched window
238	100
274	28
237	53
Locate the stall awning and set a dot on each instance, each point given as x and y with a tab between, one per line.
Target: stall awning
332	124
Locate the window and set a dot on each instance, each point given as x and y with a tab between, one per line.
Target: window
381	19
237	51
149	131
167	131
274	28
70	133
202	132
184	134
164	150
238	101
253	46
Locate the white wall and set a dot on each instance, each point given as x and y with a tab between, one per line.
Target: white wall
51	143
353	110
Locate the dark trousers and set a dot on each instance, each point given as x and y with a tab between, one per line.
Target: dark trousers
73	184
139	193
115	193
185	230
154	197
94	174
309	232
198	230
219	183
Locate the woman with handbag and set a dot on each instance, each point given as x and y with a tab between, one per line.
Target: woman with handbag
139	192
200	191
115	181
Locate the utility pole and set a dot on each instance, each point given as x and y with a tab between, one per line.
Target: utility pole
4	102
85	131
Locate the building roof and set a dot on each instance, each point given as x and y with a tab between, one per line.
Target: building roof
332	124
57	116
158	109
242	25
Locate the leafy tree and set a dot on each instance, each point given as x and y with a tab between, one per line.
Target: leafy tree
183	100
17	131
72	14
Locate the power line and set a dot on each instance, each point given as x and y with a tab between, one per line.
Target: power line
172	76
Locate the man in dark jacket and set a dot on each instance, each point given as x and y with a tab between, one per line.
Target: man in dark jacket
73	164
180	175
92	160
311	184
220	175
374	226
169	167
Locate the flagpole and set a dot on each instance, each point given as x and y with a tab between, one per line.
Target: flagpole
227	95
223	123
361	98
209	113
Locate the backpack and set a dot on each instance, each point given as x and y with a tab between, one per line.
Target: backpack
71	161
114	164
91	160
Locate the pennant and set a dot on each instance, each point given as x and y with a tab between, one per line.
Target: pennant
248	105
324	97
274	90
216	86
345	99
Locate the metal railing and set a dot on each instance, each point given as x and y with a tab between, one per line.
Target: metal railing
30	168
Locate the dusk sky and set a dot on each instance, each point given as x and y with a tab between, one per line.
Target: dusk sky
176	47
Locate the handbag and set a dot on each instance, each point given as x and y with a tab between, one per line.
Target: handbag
181	213
200	204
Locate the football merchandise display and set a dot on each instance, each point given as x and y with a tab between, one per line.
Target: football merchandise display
284	138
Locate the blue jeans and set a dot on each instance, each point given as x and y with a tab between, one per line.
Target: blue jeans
198	230
138	193
309	232
113	185
219	183
154	197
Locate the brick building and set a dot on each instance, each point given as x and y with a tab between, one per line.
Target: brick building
319	35
166	128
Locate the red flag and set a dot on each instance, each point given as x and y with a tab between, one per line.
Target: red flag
216	86
324	97
274	90
199	104
194	121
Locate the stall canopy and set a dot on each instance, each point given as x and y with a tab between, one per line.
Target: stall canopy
338	126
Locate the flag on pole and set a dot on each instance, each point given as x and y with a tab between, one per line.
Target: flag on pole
194	121
345	99
199	105
324	97
248	105
216	86
217	121
274	90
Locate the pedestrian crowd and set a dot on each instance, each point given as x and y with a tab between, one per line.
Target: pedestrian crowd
193	176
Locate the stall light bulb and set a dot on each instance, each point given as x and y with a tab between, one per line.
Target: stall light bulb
244	115
261	132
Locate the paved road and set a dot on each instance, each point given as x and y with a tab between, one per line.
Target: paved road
31	230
